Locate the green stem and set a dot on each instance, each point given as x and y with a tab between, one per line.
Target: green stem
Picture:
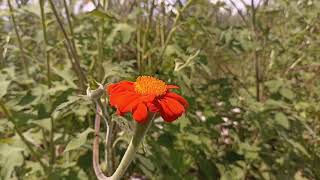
138	136
70	26
52	144
173	29
146	34
23	55
70	48
45	37
139	46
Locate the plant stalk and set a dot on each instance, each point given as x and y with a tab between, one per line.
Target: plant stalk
46	43
138	136
173	29
136	140
70	48
23	55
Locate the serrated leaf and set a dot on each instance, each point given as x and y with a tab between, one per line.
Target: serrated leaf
282	120
79	140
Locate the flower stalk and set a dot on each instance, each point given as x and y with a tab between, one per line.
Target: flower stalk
139	133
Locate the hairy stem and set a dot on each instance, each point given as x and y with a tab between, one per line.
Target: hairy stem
136	140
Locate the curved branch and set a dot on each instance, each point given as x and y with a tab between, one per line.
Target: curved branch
95	149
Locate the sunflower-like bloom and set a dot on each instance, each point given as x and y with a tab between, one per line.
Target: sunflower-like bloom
147	94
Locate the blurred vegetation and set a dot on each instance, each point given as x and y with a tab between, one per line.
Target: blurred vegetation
251	77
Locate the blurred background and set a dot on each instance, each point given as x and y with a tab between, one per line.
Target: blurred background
249	69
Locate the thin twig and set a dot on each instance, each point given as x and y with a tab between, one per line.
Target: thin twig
46	43
162	24
73	52
47	55
70	58
70	26
100	41
173	29
138	46
146	33
239	12
95	148
23	55
255	55
108	138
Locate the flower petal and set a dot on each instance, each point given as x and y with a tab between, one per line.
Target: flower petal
120	87
120	100
131	105
134	102
178	98
140	114
171	109
170	86
152	107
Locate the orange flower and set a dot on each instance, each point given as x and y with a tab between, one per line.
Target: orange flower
147	94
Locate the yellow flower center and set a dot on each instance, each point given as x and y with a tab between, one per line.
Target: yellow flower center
147	85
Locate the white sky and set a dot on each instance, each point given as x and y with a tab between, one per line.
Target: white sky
89	6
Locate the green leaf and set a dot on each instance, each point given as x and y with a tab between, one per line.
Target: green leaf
125	31
67	75
79	140
287	93
63	106
10	157
274	85
44	123
299	147
183	122
282	120
98	12
4	84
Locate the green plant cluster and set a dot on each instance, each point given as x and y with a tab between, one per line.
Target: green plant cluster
251	77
